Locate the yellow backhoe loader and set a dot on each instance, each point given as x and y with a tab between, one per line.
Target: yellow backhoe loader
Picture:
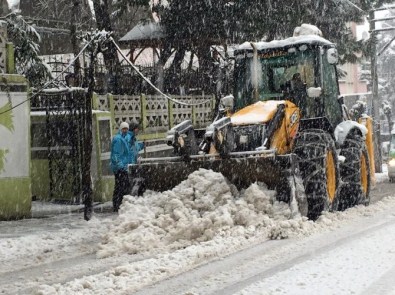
285	125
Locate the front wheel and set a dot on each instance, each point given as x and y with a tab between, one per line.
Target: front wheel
355	172
318	166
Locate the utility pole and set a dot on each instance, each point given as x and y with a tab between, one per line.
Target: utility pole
75	20
87	193
373	66
375	93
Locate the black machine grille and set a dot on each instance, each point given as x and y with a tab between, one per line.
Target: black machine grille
248	137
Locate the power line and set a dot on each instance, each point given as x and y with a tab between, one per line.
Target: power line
151	84
352	4
49	82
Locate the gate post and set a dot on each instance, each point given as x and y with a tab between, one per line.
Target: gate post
143	105
170	108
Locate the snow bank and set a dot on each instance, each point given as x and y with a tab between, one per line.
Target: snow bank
200	208
134	275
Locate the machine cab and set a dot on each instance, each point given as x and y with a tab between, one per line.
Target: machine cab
300	69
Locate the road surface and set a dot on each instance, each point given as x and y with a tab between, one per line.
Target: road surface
262	266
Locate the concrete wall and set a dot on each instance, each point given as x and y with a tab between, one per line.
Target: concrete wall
15	181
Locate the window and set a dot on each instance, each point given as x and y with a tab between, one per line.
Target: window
273	74
331	93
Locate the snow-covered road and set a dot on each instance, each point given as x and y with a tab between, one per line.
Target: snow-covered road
164	245
355	259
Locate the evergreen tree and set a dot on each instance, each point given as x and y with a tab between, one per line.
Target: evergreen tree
194	24
25	39
104	21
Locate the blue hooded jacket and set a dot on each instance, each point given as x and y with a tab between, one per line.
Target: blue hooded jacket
120	152
135	147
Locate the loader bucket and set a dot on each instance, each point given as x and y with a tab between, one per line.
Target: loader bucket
243	171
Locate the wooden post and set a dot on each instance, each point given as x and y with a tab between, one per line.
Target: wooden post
10	55
170	113
193	113
111	107
3	48
143	106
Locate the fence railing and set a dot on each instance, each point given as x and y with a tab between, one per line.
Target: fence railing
156	114
128	81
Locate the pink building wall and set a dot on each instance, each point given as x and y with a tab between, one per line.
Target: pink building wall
351	83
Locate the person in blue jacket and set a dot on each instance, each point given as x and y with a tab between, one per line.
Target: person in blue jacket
135	145
120	158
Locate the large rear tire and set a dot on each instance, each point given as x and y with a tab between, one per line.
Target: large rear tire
318	166
354	172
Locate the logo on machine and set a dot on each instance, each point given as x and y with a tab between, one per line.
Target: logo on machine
273	54
294	118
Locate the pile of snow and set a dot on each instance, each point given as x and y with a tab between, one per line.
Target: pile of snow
200	208
135	275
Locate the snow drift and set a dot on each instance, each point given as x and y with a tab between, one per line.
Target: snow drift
201	207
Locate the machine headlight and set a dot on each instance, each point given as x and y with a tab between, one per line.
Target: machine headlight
391	162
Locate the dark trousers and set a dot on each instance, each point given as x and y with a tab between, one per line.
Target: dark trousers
121	188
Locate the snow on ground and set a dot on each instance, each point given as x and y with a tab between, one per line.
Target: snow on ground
62	238
202	219
42	209
45	208
383	176
360	266
58	235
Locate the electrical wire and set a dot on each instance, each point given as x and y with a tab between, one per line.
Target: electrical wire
49	82
354	5
126	59
152	85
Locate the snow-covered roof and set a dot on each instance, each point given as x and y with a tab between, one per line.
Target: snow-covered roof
292	41
13	4
144	31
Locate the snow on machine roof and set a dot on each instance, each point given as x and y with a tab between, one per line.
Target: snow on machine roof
305	34
286	43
